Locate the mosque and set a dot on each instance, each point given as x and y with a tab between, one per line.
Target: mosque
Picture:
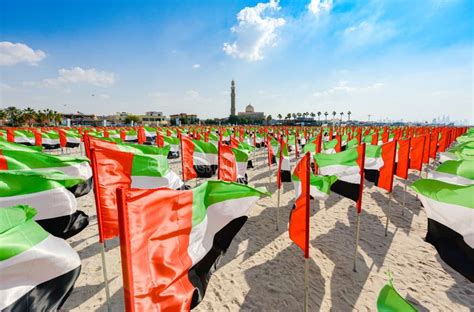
249	113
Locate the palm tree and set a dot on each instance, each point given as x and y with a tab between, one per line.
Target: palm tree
3	114
299	115
326	117
341	113
312	115
288	116
319	116
40	117
279	116
58	118
334	114
28	113
349	115
293	115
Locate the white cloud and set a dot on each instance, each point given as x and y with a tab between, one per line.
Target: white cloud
343	87
367	32
14	53
80	75
255	31
196	66
319	6
192	94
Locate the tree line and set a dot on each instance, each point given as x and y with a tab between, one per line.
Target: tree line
17	117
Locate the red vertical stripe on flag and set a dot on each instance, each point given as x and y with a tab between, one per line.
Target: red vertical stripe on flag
155	226
403	158
227	165
386	172
3	162
299	217
416	152
361	163
187	161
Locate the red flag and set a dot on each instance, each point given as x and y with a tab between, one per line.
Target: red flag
227	165
375	138
39	138
270	151
187	162
160	141
10	135
62	138
416	152
433	144
361	163
234	142
141	137
299	216
426	149
385	180
403	158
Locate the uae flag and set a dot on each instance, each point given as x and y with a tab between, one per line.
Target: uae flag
403	158
76	167
227	165
450	211
69	138
380	164
199	158
416	152
389	300
348	167
459	172
19	147
284	169
37	270
298	228
50	139
26	137
171	241
319	186
114	168
243	163
49	192
173	143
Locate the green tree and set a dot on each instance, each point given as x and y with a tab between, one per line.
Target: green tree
130	118
279	116
349	115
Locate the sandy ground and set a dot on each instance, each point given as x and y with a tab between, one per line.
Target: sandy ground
263	270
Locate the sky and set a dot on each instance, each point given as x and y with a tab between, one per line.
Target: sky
392	59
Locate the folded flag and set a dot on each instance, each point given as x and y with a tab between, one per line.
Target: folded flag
37	270
347	167
171	241
389	300
49	192
199	159
450	211
459	172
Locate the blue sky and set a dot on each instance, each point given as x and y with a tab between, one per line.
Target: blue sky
391	59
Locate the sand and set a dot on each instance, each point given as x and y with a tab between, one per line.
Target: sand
263	270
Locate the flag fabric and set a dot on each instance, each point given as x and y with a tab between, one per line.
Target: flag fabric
171	241
199	159
284	168
49	192
319	186
298	228
403	158
459	172
77	167
243	163
174	144
20	147
450	211
417	145
380	164
389	300
227	164
118	168
37	270
347	166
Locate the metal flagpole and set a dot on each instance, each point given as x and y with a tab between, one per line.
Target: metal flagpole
389	211
106	281
278	210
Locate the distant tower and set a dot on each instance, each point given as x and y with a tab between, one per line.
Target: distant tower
232	98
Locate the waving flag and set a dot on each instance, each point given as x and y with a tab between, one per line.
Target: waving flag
380	164
299	216
416	153
450	211
170	241
347	167
199	159
403	159
319	186
37	270
48	192
19	147
227	164
459	172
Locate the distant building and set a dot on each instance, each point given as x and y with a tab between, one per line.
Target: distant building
152	119
183	118
251	114
78	118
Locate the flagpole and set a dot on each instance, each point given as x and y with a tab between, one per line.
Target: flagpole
359	205
278	210
388	214
306	284
357	243
99	224
308	214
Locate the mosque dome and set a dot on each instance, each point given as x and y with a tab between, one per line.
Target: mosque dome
249	109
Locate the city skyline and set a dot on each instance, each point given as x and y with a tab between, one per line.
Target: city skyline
362	56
